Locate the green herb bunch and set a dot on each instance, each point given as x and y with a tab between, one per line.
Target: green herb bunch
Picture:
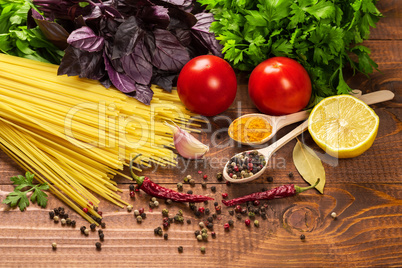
17	39
320	34
25	185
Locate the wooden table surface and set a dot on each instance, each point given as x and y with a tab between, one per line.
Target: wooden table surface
364	192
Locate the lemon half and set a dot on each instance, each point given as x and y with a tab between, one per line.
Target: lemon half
343	126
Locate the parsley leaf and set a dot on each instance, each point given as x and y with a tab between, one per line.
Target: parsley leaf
20	198
322	35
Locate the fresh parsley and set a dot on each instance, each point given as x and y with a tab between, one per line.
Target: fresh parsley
321	34
20	198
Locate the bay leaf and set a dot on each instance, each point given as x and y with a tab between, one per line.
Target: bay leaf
309	165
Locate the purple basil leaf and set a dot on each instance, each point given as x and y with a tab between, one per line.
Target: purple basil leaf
184	36
155	15
120	80
95	14
169	54
85	39
111	12
54	32
126	37
164	79
137	66
32	15
144	94
82	63
201	32
187	20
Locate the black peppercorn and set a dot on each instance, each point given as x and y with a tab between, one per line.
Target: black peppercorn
131	187
56	211
290	174
238	216
216	204
189	221
210	226
100	231
197	213
214	215
231	212
197	232
165	236
103	225
190	192
210	219
207	211
73	223
204	184
180	249
98	246
213	189
101	236
302	237
231	222
98	220
270	179
206	202
143	215
51	214
82	229
92	226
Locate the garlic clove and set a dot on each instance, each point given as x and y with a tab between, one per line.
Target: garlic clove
186	145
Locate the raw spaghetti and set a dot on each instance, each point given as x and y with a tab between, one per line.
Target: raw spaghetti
76	135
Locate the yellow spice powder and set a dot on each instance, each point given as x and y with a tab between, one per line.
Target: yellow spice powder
250	129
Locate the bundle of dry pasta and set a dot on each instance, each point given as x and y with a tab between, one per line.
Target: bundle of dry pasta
76	135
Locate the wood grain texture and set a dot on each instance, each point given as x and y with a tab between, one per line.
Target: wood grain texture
365	192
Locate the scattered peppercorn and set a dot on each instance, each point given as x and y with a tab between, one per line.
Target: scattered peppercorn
290	174
136	212
201	224
143	215
204	236
141	210
214	215
179	186
256	203
251	214
213	234
129	208
205	177
51	214
238	209
190	192
210	219
219	176
101	236
218	209
201	209
213	189
231	212
56	219
333	215
256	223
231	222
270	179
192	182
68	221
188	221
199	237
131	187
56	211
197	232
86	232
180	249
165	212
226	226
73	223
228	183
98	246
168	201
247	222
165	236
100	231
210	226
139	219
85	210
92	226
224	195
54	246
204	184
63	221
238	216
302	237
103	224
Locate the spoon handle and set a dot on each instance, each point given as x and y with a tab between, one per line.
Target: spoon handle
377	96
285	120
268	151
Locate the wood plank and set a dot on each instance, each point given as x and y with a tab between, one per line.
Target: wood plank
390	26
366	231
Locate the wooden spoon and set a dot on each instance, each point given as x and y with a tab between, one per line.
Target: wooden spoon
278	122
267	152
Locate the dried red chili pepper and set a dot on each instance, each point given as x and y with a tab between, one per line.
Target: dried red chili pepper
278	192
153	189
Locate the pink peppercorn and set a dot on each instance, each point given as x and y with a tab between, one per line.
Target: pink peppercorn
236	168
256	203
201	209
230	174
205	177
85	210
238	209
199	171
224	195
247	222
132	194
100	213
226	226
218	208
91	203
141	210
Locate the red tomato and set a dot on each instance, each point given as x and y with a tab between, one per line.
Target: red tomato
207	85
279	86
